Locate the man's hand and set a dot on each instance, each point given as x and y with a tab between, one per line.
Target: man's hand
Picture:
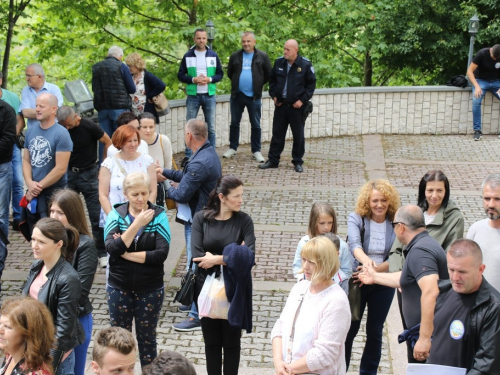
34	188
159	172
478	92
276	102
422	349
367	275
175	185
297	104
201	80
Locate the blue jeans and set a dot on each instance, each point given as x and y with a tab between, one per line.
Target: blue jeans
207	104
187	235
238	104
491	86
144	308
17	182
86	182
379	299
6	178
107	122
67	367
87	323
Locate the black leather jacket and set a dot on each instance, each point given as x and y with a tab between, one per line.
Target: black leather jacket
482	330
85	263
60	294
261	68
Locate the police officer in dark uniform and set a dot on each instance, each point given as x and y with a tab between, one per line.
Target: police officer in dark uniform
291	85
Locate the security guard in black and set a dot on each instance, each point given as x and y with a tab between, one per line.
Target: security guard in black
291	85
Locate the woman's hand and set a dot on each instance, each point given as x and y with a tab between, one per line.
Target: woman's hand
280	368
144	217
208	261
367	275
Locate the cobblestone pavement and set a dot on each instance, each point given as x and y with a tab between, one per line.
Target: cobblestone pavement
279	202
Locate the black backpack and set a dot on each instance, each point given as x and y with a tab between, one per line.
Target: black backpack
458	81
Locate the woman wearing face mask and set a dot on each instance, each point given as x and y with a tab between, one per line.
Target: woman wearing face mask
370	237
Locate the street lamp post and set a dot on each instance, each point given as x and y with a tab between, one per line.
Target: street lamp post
210	27
473	29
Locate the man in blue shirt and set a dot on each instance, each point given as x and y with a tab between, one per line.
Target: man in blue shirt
37	85
248	70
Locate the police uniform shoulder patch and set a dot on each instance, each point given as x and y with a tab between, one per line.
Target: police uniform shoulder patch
305	58
312	70
279	58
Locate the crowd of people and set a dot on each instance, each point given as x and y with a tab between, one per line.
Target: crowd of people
449	309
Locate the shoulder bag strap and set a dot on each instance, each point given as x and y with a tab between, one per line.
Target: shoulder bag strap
292	333
124	172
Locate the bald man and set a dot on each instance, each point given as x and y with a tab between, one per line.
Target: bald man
48	147
291	85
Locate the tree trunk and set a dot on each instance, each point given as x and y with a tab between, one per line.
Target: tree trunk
8	43
368	69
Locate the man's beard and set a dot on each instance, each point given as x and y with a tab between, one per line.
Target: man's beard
492	215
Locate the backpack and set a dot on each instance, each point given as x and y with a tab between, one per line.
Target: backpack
458	81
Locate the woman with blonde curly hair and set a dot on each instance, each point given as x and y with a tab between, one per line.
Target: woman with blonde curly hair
146	83
26	336
370	238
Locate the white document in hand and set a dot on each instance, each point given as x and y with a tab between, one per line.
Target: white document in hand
424	369
184	212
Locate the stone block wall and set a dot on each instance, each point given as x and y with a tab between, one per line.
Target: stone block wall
358	110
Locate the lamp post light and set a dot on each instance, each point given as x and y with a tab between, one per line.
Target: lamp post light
473	29
210	27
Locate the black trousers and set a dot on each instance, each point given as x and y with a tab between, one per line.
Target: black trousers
409	349
218	334
284	115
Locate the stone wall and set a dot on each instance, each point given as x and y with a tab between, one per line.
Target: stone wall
358	110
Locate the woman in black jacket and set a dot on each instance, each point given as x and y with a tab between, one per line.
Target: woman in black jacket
147	86
137	237
53	281
66	206
220	224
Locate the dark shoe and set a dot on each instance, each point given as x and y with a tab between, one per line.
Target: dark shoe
298	168
184	161
184	308
190	324
15	225
477	135
267	165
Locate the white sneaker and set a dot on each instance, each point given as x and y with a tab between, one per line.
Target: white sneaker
229	153
258	156
103	262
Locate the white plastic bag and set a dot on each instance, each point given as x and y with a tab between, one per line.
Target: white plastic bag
212	301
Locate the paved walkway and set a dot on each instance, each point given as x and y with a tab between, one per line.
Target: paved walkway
279	201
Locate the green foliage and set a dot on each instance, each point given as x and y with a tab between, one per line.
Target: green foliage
350	42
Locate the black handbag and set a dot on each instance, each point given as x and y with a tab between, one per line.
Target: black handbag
185	295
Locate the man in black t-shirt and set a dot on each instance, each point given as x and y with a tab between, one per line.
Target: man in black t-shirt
425	264
484	75
467	316
82	167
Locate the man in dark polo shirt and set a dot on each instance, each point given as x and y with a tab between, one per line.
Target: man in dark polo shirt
467	316
425	264
82	168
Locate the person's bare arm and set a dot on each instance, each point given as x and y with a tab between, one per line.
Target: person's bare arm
104	180
29	113
61	167
430	291
369	276
20	124
152	176
470	74
106	141
34	187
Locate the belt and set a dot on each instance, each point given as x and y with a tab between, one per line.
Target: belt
78	170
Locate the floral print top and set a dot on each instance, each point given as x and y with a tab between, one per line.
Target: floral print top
18	370
139	98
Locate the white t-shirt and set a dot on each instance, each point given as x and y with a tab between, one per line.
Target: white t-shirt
428	218
488	239
143	149
376	248
201	68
